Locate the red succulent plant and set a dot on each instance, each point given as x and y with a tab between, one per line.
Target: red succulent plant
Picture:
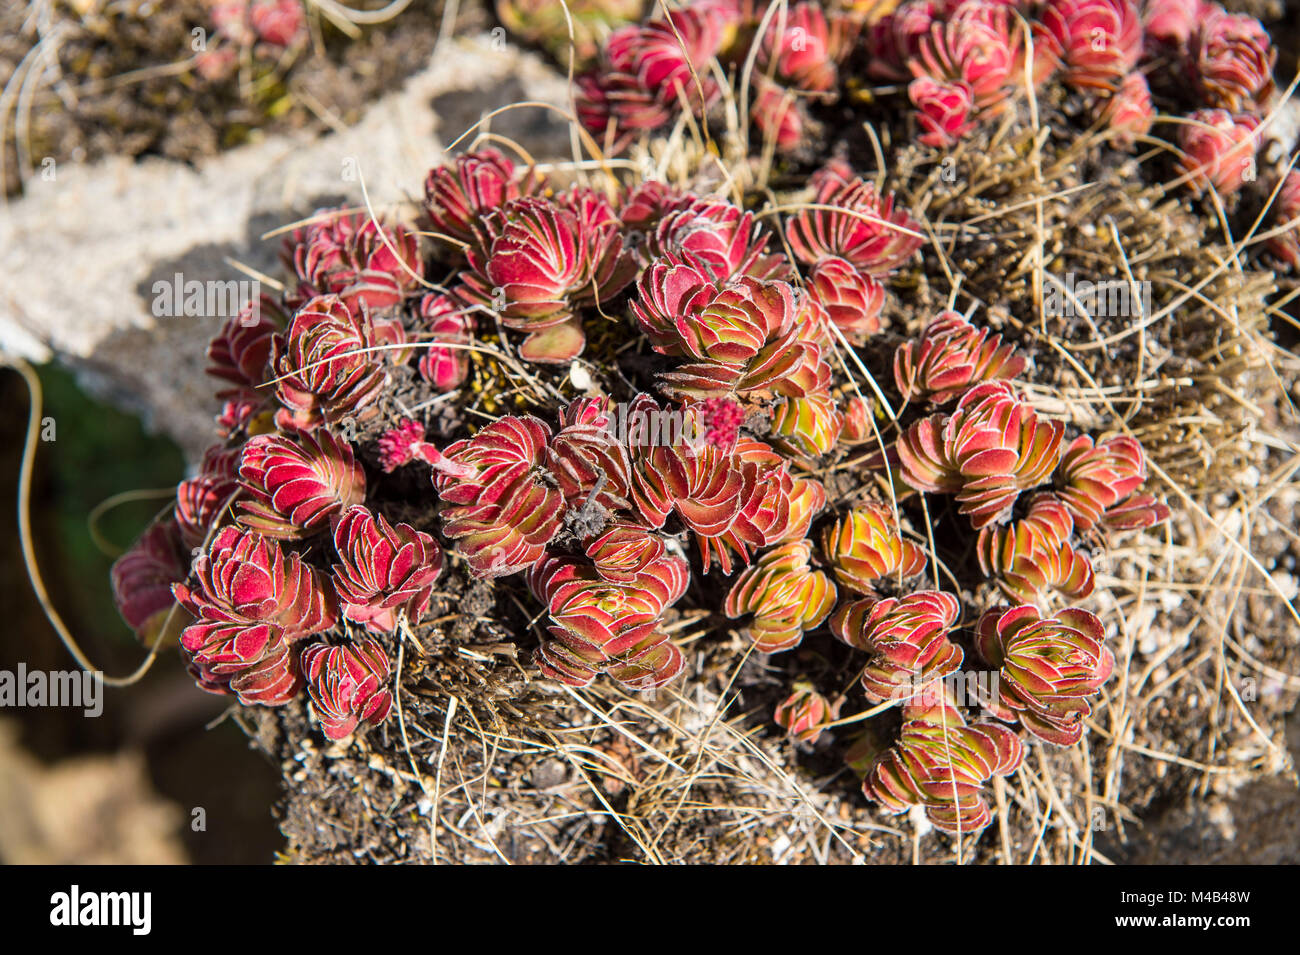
384	570
329	363
907	638
444	361
459	194
942	764
1093	44
603	625
804	713
851	300
200	499
251	602
1285	242
587	459
1034	553
992	447
1128	112
353	257
719	236
503	514
859	226
943	109
240	352
1232	59
976	45
1096	477
1218	150
1048	668
537	261
950	355
143	578
348	684
786	596
293	486
865	547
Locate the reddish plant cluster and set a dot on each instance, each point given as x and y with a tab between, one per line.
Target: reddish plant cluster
647	74
263	28
962	63
316	549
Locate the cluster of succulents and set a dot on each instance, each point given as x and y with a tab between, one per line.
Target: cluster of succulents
262	29
299	575
696	447
962	64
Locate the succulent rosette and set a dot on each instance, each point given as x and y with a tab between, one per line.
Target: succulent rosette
604	625
851	221
804	713
648	72
1093	44
444	361
975	51
951	355
907	638
384	570
1049	666
785	595
250	602
329	364
587	459
498	509
1097	476
807	425
850	299
538	261
200	499
992	447
458	194
1035	553
941	763
1284	243
239	354
356	258
1129	112
1232	59
943	109
865	547
1218	150
348	684
293	486
718	237
742	338
143	577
